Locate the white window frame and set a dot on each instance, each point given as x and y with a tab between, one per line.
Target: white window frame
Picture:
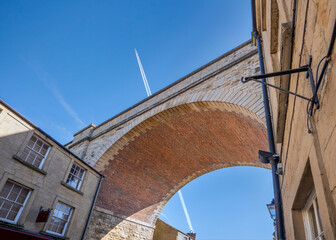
308	224
32	149
66	224
22	206
81	179
181	236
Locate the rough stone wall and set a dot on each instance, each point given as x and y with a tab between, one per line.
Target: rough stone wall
308	160
105	225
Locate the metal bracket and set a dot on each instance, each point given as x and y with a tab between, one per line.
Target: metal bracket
305	68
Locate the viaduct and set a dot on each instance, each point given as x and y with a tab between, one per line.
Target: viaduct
205	121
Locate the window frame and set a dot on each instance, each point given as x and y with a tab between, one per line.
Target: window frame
67	221
31	149
22	206
69	173
182	236
308	224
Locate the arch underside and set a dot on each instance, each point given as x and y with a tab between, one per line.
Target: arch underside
148	165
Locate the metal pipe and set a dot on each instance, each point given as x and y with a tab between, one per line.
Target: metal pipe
254	24
276	184
92	206
293	32
275	176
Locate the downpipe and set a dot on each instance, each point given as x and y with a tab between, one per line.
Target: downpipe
276	184
92	206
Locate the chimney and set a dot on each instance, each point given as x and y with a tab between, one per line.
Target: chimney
192	235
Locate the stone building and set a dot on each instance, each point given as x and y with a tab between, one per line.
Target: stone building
292	32
205	121
46	192
167	232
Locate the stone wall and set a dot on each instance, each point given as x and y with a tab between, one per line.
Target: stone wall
164	231
46	184
105	225
217	81
203	122
308	160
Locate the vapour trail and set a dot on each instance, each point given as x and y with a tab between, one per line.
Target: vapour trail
185	211
144	78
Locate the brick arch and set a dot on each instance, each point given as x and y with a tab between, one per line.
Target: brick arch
151	162
217	81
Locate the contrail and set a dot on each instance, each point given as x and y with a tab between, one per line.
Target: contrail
144	78
185	211
148	94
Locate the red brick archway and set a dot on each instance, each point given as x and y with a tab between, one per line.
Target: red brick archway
148	165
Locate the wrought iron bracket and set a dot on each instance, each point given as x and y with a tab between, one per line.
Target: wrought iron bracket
309	74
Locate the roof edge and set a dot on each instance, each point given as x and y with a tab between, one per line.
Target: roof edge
47	135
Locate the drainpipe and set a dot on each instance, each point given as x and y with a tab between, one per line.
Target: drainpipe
92	206
293	31
276	185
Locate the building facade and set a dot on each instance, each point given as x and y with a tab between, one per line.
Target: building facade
167	232
46	192
294	34
205	121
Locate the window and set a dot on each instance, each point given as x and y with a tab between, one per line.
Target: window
76	176
13	197
35	152
181	236
312	219
60	219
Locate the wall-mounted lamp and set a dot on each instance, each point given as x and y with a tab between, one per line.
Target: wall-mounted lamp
271	209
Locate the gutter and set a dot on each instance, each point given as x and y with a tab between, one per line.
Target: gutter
276	185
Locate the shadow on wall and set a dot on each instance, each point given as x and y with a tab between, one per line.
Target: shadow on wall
11	144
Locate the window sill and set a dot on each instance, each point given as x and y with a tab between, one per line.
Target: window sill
20	160
54	235
71	188
12	225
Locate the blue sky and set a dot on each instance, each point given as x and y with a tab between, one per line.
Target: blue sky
226	204
66	64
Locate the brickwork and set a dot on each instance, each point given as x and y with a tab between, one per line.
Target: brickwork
147	166
205	121
216	81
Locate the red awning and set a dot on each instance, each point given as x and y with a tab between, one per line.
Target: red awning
13	234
